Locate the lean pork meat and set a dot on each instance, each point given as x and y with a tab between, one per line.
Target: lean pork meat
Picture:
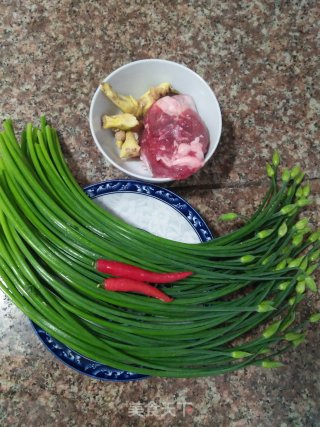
175	139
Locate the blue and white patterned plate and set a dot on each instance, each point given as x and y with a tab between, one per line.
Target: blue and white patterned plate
149	207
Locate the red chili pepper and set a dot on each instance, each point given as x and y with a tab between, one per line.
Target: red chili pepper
128	285
115	268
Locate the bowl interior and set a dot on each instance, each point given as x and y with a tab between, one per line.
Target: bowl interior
135	79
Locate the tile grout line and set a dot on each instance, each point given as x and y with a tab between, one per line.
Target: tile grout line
225	186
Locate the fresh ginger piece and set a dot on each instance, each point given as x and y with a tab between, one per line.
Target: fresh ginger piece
130	147
127	104
124	121
152	95
120	137
119	143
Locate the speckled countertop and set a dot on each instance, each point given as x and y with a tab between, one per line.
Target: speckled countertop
262	60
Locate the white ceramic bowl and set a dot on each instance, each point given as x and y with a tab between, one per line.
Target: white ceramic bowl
136	78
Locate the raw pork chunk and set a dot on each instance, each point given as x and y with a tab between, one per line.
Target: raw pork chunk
175	139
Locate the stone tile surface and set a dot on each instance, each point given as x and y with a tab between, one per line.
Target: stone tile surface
262	60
